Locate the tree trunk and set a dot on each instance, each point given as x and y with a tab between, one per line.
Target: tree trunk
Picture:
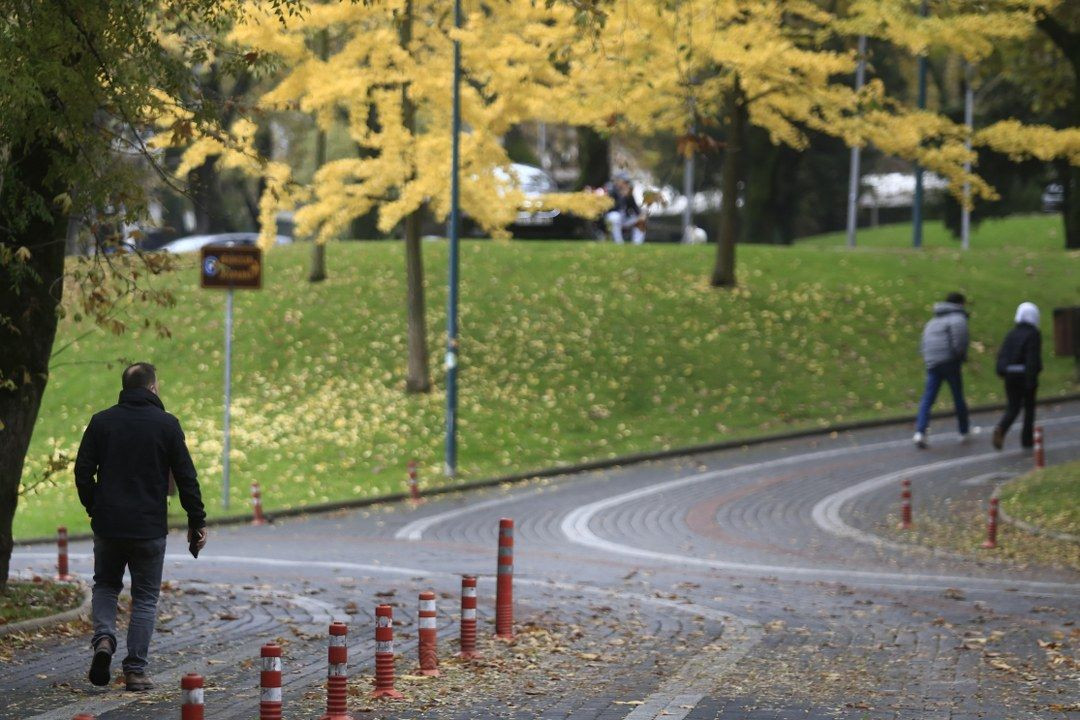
594	160
419	376
205	188
318	251
723	274
418	379
1068	41
1070	206
28	307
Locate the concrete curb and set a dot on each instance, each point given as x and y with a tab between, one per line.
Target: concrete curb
573	469
1026	526
83	611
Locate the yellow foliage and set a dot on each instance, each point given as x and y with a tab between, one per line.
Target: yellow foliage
653	66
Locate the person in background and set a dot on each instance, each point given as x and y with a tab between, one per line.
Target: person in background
1019	363
122	474
626	214
944	349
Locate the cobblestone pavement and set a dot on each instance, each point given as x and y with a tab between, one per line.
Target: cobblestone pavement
745	584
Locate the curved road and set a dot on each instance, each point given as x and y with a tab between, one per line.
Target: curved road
754	583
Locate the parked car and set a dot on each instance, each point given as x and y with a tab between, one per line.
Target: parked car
191	243
533	182
1053	197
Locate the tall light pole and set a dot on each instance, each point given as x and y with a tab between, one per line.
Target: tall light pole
969	120
853	173
452	294
917	206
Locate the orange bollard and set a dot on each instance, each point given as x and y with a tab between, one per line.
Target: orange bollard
270	682
256	504
62	554
414	484
468	617
905	504
991	526
191	691
1040	452
428	633
83	716
337	690
504	583
384	654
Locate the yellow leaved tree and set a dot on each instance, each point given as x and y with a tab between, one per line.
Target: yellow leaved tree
680	65
389	77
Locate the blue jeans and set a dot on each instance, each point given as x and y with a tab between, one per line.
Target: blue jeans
144	560
946	372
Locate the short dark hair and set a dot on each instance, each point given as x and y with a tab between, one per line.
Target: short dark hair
955	297
139	375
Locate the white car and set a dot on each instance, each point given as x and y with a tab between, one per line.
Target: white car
191	243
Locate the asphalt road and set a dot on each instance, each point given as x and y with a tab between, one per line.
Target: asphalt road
752	583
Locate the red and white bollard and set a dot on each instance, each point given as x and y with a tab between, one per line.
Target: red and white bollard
384	654
991	525
337	690
256	504
504	582
414	484
191	692
1040	452
905	505
468	617
62	554
429	635
270	683
83	716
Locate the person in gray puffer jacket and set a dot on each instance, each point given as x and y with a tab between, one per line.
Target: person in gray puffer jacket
944	349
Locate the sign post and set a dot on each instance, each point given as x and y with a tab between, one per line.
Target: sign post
230	267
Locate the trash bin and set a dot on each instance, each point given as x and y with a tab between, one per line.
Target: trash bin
1067	332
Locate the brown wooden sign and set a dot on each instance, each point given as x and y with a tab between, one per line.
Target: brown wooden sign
231	267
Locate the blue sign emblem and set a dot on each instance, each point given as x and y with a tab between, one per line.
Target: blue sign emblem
210	266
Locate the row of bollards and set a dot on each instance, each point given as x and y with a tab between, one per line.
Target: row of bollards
992	514
906	524
270	695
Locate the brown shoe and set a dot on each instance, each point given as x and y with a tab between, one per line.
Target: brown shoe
99	667
137	681
998	439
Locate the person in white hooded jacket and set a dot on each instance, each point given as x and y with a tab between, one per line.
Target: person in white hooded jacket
1019	363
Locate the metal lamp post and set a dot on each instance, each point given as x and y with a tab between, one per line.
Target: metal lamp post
917	206
452	294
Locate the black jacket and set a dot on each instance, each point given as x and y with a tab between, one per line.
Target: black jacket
130	448
1021	353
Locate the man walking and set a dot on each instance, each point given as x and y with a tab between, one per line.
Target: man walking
122	475
944	348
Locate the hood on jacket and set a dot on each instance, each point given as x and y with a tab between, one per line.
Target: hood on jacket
140	396
944	308
1028	312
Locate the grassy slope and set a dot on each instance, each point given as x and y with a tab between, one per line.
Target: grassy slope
1048	498
27	600
569	351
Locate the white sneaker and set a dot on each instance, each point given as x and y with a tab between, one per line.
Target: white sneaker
964	437
919	440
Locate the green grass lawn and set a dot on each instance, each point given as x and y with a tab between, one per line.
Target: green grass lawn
1047	498
570	351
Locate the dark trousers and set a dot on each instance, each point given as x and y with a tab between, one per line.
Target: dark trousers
949	373
144	560
1019	395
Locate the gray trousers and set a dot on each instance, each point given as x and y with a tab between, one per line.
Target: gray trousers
144	560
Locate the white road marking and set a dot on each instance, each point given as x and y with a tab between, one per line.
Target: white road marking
575	527
415	530
985	479
826	512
